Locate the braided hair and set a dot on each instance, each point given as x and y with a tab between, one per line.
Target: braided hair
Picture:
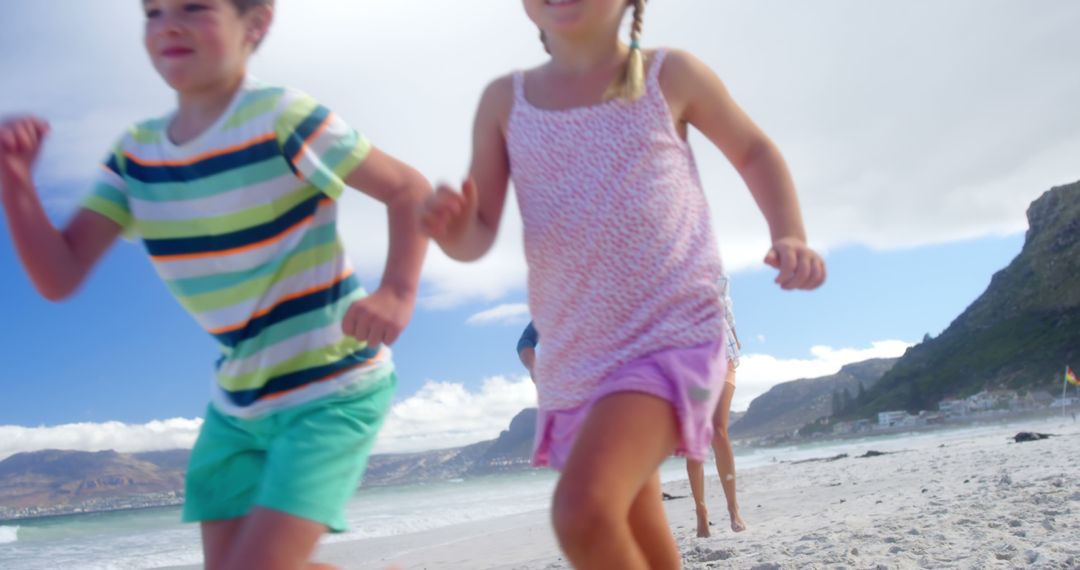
631	85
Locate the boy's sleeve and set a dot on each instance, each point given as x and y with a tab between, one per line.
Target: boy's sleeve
319	146
109	196
529	338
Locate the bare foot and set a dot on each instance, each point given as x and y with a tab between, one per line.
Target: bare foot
703	522
737	524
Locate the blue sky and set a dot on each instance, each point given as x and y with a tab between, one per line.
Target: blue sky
915	161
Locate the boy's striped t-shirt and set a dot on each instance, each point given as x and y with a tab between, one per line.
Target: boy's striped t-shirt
241	224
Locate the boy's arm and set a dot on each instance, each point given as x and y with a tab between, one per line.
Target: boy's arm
382	316
704	102
56	261
465	224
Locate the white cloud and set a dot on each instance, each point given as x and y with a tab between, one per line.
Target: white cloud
757	373
899	130
439	415
446	414
509	314
176	433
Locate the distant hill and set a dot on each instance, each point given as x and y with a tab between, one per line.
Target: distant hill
791	405
511	451
58	482
83	480
1020	333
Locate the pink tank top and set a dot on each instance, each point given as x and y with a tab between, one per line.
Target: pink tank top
621	254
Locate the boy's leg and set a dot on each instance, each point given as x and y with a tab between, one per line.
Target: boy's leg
217	538
725	457
695	472
617	452
273	540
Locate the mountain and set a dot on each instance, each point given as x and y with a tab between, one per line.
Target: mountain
791	405
59	482
423	466
511	451
76	480
1020	333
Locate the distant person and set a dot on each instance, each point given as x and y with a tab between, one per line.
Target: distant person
526	348
623	262
234	196
721	444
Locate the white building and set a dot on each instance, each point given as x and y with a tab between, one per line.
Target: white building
991	400
890	419
1066	402
953	407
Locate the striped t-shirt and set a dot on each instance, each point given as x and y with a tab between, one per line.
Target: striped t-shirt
241	224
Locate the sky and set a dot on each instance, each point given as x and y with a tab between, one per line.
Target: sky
917	132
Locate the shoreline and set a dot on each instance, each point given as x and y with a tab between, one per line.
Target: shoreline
22	520
966	499
951	424
747	444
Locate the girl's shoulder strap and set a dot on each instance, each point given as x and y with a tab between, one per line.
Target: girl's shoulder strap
519	86
657	62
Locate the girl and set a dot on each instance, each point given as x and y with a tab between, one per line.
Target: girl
234	197
721	445
623	266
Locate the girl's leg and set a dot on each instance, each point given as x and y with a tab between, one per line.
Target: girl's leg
617	452
649	524
695	472
725	457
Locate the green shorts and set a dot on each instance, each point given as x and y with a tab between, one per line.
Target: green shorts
305	461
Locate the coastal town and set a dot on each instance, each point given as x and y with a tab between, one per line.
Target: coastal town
94	505
986	405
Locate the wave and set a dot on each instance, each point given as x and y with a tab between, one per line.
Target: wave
9	534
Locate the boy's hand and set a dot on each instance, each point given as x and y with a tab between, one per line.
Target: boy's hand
446	214
378	318
21	140
800	267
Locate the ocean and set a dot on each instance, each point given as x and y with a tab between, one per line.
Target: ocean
154	538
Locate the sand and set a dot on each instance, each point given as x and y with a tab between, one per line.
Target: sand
963	499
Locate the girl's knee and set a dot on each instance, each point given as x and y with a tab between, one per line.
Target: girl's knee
580	516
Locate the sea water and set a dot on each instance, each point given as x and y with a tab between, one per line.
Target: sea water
154	538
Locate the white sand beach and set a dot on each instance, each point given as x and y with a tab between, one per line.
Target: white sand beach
963	499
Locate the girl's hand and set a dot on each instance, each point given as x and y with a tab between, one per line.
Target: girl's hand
378	318
800	267
21	140
447	214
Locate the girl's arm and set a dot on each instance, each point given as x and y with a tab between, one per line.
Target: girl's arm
381	317
465	224
698	97
57	261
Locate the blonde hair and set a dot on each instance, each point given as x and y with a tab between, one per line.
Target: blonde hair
631	85
245	5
